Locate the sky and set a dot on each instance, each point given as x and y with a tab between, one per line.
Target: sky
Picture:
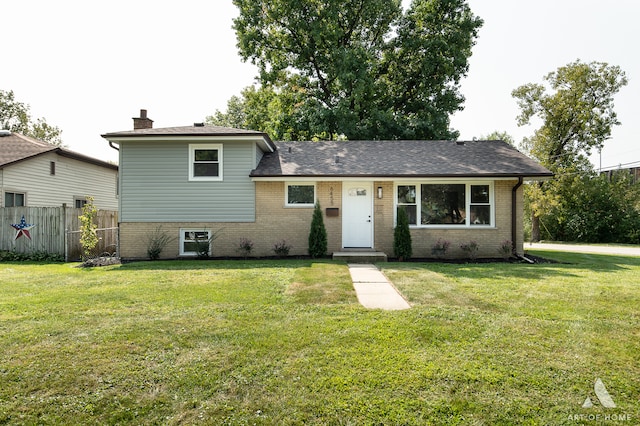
89	67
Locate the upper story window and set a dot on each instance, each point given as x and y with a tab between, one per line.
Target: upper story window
447	204
205	162
14	199
52	168
300	195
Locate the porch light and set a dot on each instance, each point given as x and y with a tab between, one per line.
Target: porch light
380	192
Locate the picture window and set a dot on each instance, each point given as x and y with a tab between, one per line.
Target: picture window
300	195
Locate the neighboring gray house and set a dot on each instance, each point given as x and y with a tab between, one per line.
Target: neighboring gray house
34	173
196	181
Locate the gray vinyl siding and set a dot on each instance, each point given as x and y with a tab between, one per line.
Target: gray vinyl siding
259	155
72	179
155	186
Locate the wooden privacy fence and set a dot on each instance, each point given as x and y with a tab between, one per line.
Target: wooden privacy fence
56	230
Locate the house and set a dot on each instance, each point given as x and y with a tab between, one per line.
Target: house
634	173
34	173
198	181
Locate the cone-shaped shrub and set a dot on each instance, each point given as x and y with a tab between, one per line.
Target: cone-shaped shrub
402	236
318	234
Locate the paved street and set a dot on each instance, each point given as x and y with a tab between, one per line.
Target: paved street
585	248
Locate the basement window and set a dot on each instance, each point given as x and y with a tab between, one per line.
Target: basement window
194	242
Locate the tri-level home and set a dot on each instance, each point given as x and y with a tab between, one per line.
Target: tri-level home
197	181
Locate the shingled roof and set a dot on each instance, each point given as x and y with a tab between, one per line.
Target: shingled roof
16	147
446	159
197	129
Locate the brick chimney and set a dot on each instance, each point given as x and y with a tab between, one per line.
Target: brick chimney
142	122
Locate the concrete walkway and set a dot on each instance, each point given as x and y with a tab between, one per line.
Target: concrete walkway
374	290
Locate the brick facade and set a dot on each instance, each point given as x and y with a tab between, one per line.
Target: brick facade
275	222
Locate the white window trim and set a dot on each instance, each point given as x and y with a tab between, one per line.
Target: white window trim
192	152
468	184
286	194
183	240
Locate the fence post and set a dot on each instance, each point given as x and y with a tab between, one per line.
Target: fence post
64	229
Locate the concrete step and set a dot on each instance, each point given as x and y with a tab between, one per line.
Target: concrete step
360	256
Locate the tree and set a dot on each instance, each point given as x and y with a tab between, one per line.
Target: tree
499	136
402	247
577	116
317	234
428	58
265	109
88	236
360	69
596	209
15	116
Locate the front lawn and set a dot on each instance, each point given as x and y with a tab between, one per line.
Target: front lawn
285	342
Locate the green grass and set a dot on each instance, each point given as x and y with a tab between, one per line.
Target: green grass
285	342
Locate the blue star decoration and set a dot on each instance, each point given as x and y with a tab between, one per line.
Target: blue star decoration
23	228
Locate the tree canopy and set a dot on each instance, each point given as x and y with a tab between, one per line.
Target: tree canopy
15	116
577	113
497	135
360	69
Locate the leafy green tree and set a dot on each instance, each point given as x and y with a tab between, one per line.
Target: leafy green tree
424	66
15	116
402	246
235	116
596	209
576	110
499	136
88	236
317	234
358	69
266	109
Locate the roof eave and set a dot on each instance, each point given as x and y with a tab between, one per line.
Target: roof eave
122	137
85	158
525	176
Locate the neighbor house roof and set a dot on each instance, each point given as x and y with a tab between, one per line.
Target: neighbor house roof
445	159
15	147
195	130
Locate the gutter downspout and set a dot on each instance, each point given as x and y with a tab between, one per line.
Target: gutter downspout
513	214
117	195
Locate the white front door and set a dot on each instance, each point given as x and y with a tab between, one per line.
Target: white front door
357	217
